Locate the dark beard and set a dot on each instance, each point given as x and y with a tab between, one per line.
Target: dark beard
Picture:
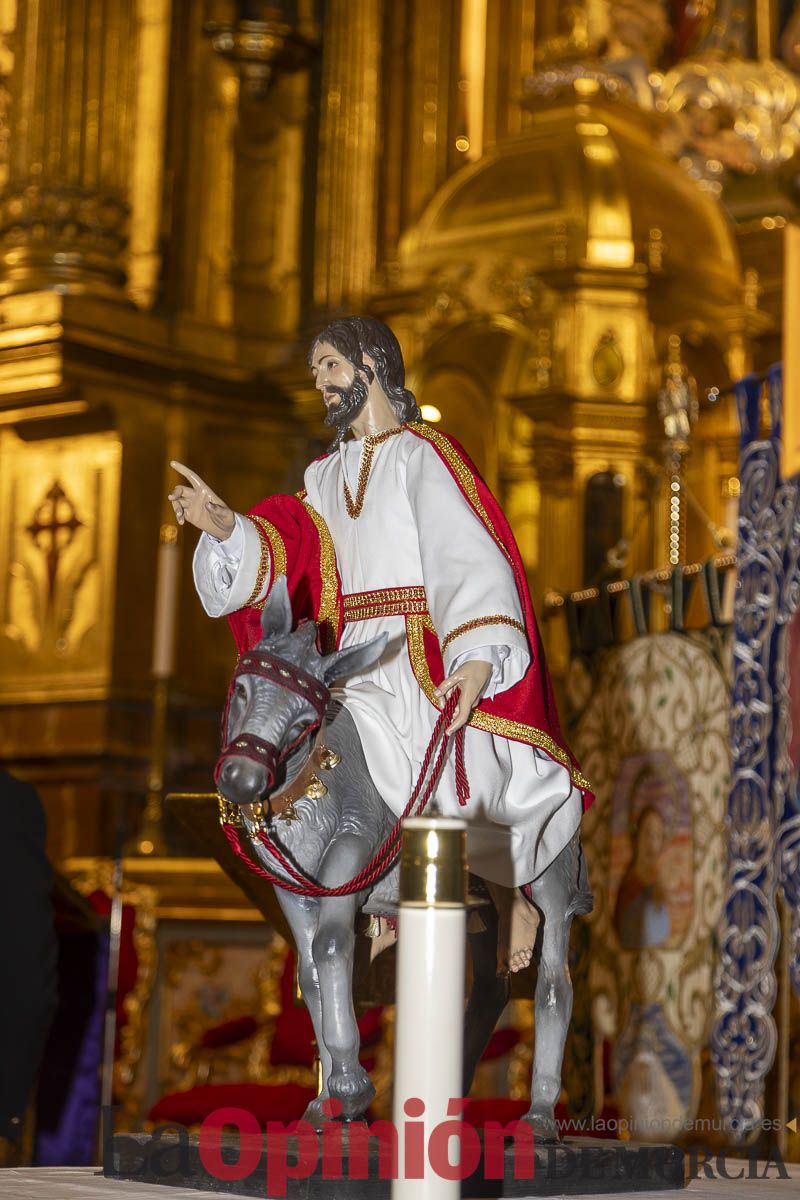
342	415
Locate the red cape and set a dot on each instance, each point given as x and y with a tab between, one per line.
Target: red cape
301	547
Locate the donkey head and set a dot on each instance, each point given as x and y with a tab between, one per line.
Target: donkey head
277	710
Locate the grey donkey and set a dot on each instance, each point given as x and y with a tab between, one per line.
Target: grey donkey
336	835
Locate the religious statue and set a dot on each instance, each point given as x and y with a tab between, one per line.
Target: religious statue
399	558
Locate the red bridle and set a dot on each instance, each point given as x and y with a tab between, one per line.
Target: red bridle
293	679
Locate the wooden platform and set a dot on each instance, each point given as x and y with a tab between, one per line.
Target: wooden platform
87	1183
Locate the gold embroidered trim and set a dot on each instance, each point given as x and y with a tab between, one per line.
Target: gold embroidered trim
382	595
517	731
328	613
264	563
301	495
274	542
397	609
371	441
479	623
462	472
384	602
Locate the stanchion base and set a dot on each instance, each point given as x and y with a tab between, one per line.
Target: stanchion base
575	1167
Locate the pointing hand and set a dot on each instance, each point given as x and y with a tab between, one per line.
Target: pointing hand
197	504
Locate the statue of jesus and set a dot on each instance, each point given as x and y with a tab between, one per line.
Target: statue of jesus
424	553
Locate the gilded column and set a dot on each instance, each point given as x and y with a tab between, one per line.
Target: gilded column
345	247
510	33
147	155
64	212
268	207
8	22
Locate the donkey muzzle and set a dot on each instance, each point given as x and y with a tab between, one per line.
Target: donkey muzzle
246	769
243	781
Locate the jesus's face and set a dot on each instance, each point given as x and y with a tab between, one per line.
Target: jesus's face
343	389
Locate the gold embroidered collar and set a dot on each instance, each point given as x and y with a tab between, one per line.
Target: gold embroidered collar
354	506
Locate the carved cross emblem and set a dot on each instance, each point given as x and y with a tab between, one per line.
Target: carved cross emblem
53	528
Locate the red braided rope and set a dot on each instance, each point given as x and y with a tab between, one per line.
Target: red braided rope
385	856
462	782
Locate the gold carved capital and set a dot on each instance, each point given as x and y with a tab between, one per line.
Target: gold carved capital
260	50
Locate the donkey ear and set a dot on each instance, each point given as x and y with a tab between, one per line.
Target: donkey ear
355	659
276	620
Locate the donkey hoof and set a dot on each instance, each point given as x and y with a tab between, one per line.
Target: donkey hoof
314	1114
543	1124
354	1090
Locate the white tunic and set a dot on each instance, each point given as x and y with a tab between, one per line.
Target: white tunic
417	529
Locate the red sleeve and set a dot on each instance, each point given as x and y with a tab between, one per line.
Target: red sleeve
299	546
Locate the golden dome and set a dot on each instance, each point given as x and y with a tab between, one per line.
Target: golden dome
585	188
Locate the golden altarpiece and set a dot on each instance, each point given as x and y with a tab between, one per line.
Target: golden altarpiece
562	210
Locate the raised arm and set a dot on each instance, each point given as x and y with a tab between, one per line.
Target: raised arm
238	557
229	558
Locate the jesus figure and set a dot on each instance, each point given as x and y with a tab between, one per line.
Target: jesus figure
423	553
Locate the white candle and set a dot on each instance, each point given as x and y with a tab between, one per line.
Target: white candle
430	1001
166	604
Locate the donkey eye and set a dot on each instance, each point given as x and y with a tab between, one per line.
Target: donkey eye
241	692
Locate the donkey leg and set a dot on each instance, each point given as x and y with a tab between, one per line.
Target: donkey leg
333	950
557	894
488	995
302	916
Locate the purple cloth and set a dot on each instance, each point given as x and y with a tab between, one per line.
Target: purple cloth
71	1138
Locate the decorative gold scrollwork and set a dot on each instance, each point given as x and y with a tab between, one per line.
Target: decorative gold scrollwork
229	814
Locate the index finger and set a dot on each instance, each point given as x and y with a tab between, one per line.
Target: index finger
188	473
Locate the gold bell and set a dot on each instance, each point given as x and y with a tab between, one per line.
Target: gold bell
316	788
290	813
328	759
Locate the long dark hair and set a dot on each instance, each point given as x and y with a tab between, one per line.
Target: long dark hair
353	337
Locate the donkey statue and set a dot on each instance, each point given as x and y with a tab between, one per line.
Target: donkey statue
272	768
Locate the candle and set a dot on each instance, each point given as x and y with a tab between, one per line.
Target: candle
166	603
430	1002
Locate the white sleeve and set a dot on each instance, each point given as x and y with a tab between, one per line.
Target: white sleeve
470	584
225	572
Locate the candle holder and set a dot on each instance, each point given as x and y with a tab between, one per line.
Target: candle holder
149	839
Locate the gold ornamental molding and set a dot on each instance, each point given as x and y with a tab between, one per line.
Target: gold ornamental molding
183	888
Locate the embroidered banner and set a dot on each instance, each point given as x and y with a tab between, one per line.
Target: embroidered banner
654	735
763	812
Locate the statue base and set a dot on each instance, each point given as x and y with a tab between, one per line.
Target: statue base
350	1164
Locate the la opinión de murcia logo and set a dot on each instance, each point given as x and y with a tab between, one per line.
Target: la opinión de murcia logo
452	1149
